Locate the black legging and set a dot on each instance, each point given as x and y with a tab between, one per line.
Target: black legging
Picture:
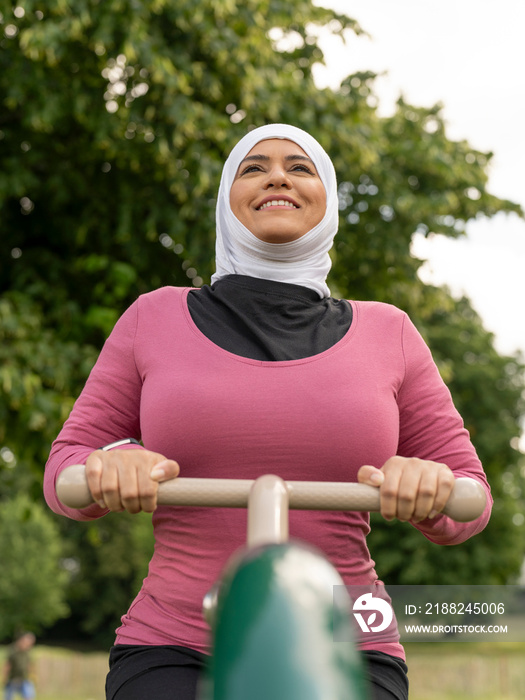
172	673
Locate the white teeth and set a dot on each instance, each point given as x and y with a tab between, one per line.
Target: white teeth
277	203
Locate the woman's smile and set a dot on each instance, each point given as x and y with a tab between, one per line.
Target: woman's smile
272	202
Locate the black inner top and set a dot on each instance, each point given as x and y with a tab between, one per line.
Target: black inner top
266	320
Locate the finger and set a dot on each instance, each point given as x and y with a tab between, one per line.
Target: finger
389	497
129	488
389	494
147	489
410	487
445	485
94	478
110	485
370	475
425	496
164	470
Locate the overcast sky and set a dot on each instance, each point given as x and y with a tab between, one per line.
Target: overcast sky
470	56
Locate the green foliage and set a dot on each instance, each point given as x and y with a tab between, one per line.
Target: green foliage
32	582
115	119
107	560
38	373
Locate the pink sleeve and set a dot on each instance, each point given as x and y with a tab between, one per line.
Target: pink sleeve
431	428
107	410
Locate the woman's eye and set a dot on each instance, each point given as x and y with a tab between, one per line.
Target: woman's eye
251	169
256	168
302	168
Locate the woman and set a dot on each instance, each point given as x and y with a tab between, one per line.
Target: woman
261	372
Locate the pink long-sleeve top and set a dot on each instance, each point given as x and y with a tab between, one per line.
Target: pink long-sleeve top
374	394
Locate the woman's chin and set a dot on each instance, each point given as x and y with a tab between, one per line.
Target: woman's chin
279	236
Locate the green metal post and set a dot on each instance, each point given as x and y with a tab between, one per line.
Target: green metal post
273	634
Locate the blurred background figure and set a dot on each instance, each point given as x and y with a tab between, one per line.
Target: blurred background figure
18	668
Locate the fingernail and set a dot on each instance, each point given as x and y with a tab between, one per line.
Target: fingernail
101	504
158	473
376	478
432	514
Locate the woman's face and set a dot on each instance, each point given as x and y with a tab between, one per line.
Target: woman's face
277	193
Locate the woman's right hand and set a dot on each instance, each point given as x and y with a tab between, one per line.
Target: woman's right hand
128	479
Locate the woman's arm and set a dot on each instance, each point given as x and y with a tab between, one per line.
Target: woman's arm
108	410
434	449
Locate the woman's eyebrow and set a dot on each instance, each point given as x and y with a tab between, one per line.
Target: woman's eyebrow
254	157
259	157
297	156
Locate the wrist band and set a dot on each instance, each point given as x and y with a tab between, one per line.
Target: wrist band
119	443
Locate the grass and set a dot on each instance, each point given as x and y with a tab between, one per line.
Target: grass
466	671
437	671
64	674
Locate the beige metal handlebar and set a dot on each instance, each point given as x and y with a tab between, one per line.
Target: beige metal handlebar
466	502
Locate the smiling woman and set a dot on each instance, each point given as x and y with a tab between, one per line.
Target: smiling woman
277	193
261	372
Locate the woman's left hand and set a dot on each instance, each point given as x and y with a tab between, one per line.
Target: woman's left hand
410	488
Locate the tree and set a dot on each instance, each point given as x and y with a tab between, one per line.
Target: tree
32	584
37	372
116	118
107	560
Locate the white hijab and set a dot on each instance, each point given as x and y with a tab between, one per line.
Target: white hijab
305	261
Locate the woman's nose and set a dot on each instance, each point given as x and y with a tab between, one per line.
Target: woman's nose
277	177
